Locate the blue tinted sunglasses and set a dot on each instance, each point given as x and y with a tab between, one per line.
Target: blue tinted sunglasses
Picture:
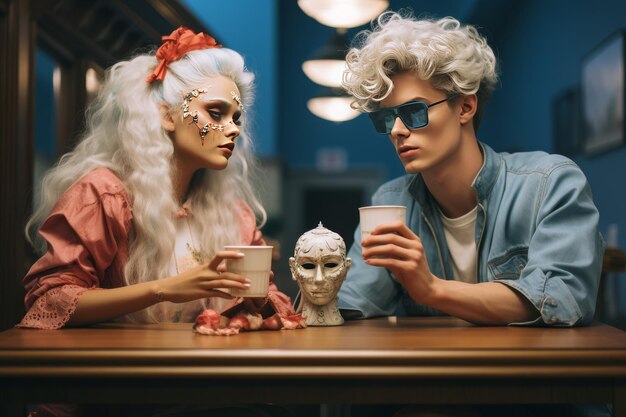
414	115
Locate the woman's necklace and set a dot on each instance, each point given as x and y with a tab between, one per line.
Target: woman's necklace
196	255
191	247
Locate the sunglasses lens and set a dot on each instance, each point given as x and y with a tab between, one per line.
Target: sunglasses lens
383	120
414	115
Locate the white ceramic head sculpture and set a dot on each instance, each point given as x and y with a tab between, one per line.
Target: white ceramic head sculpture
320	265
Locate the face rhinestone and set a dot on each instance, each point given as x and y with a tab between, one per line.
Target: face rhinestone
238	100
202	131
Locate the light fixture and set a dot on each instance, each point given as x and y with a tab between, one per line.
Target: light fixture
343	13
327	65
93	82
332	104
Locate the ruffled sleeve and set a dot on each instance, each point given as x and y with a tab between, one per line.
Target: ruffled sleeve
87	235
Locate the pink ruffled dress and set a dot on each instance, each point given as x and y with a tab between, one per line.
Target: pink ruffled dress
87	234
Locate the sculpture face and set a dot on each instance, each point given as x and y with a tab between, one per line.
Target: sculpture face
320	265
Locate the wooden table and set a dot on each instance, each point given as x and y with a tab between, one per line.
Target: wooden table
403	360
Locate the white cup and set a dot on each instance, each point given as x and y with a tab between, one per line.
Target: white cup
255	265
373	216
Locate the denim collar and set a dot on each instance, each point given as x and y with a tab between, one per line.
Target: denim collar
483	182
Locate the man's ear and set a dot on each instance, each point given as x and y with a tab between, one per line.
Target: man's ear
167	121
469	105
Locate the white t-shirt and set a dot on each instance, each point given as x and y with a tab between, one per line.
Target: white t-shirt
462	245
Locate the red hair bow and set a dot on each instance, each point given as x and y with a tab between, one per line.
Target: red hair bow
177	44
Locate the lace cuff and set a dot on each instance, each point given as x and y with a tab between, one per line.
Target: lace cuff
53	309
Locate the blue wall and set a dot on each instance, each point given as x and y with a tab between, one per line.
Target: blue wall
249	27
539	44
302	133
540	52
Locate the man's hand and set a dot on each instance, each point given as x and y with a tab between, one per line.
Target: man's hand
394	246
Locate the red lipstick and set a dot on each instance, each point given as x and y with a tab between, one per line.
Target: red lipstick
227	148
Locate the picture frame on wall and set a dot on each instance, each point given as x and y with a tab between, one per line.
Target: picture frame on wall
565	123
603	96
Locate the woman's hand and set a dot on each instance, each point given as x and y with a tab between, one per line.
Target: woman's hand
394	246
251	304
203	281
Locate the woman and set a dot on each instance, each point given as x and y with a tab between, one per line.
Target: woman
132	222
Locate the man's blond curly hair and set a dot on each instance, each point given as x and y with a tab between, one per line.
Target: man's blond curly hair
455	58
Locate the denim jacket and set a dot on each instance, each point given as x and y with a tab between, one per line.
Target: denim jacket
536	232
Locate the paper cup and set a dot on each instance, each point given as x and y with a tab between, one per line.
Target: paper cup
373	216
255	265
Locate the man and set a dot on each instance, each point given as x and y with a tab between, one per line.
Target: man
490	238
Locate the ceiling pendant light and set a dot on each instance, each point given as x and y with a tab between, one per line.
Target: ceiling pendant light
332	104
343	13
327	65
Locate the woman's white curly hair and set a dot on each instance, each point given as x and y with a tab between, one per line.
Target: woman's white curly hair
124	134
455	58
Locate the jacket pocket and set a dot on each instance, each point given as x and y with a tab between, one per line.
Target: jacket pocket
510	265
